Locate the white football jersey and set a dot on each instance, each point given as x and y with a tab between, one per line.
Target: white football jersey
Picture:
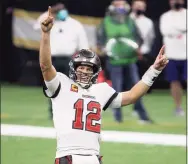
77	115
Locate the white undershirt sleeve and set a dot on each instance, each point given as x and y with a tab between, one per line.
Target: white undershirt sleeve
116	103
52	86
113	98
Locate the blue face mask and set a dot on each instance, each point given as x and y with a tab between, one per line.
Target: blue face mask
120	10
62	15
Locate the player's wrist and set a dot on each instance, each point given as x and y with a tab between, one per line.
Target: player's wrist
155	70
47	33
150	75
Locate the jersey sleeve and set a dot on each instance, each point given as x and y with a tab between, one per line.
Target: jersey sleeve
114	98
52	88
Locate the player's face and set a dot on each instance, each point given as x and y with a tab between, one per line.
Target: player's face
84	74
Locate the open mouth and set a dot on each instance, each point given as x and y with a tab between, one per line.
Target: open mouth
83	78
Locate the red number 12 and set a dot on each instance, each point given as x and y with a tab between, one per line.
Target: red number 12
79	124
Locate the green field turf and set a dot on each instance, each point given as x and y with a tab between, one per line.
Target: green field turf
28	106
20	150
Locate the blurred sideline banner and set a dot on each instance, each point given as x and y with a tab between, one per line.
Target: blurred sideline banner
26	36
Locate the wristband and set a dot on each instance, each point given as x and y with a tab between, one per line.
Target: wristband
149	77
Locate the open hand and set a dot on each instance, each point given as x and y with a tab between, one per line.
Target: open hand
47	24
161	60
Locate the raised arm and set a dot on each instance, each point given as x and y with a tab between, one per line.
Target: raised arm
149	77
48	71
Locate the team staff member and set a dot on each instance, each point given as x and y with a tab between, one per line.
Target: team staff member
174	31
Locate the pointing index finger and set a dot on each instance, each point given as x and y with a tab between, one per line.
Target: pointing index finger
162	51
49	11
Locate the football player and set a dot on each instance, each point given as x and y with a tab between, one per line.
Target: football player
78	100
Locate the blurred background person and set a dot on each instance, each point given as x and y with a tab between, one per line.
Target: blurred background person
147	31
67	36
174	31
144	24
120	38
